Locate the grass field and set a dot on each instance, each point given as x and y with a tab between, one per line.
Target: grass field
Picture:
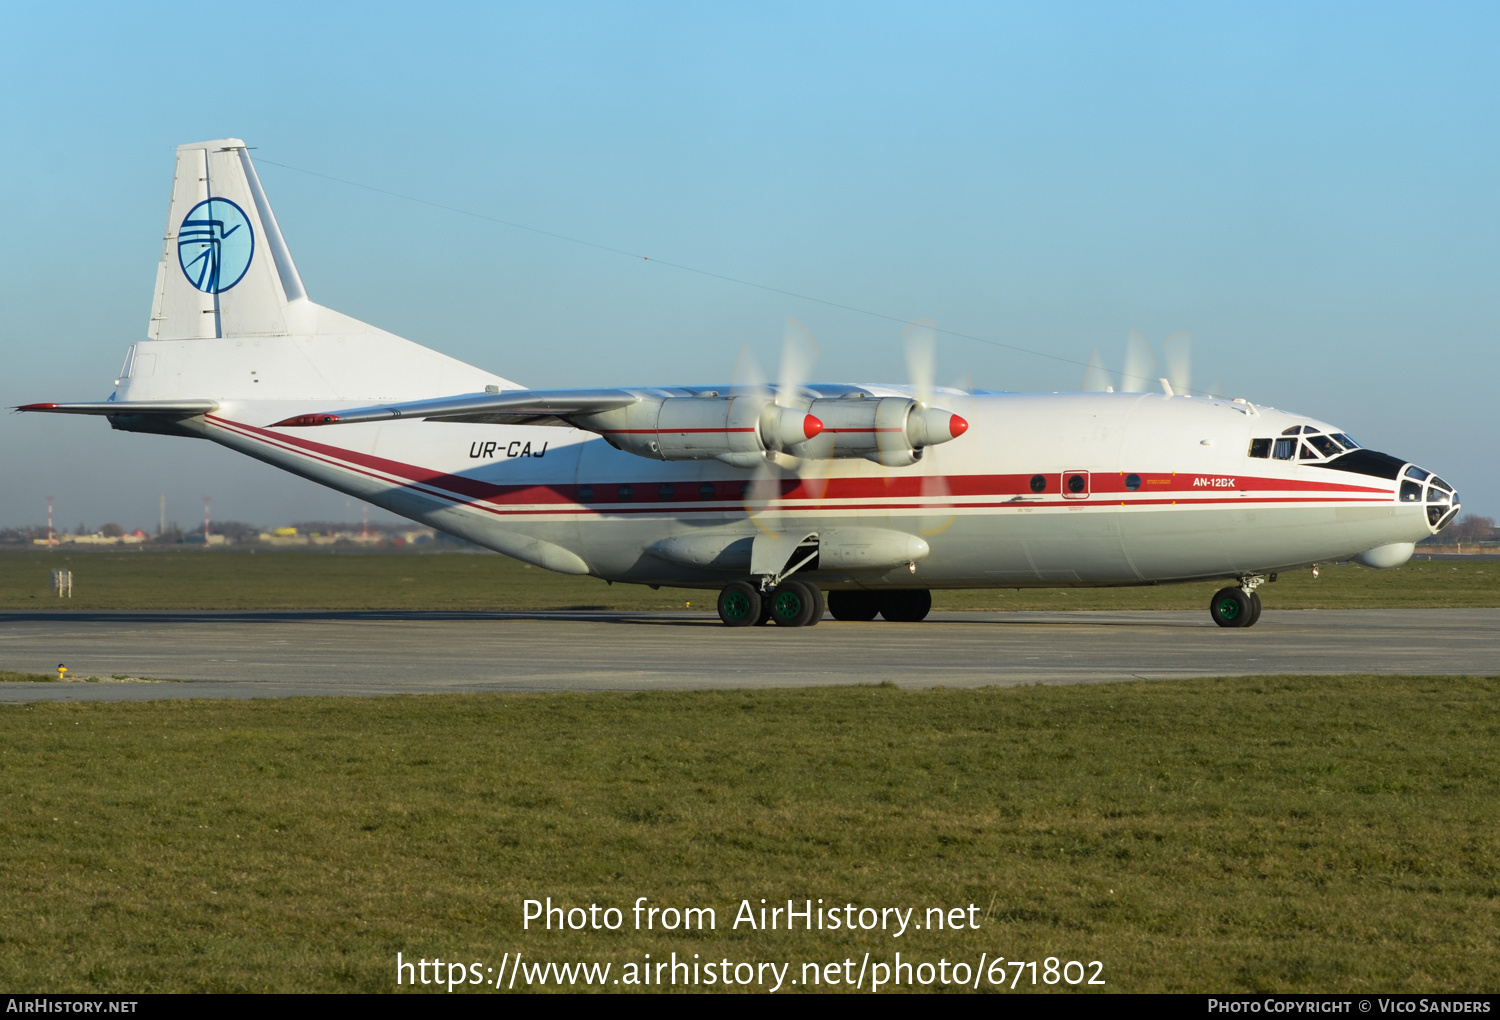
9	676
1291	833
236	579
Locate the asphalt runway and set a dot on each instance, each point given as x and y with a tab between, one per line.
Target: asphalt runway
286	654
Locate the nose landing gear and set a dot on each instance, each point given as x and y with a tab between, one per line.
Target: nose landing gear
1237	607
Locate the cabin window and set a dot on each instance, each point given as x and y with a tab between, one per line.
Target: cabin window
585	494
1260	448
1075	483
1411	492
706	490
664	491
1327	447
1133	482
1286	449
625	493
1038	483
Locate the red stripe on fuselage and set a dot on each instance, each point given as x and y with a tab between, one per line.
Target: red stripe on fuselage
823	492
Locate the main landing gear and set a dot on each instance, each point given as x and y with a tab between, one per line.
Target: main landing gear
909	605
800	604
1237	607
789	604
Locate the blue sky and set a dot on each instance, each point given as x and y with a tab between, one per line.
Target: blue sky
1310	191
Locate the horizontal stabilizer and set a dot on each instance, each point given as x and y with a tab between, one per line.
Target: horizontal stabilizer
515	407
175	408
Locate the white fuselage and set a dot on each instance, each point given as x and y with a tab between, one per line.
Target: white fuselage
1168	492
968	490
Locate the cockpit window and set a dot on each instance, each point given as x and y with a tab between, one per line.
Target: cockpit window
1260	448
1295	430
1439	482
1308	453
1327	447
1440	517
1411	492
1417	473
1348	443
1436	495
1286	449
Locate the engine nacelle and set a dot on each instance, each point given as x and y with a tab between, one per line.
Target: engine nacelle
737	430
888	430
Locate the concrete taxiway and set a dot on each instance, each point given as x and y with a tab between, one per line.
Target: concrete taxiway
285	654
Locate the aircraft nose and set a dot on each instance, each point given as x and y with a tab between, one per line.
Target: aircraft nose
1418	485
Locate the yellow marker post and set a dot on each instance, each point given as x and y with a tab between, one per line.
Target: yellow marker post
61	671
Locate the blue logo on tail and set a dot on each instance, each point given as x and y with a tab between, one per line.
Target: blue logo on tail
215	244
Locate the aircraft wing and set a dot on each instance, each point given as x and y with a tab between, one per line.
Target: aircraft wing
518	407
173	408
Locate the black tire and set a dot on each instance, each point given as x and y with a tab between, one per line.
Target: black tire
1254	609
861	606
1231	607
739	605
792	604
765	611
820	603
910	605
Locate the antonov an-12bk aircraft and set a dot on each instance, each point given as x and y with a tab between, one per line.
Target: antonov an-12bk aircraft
774	495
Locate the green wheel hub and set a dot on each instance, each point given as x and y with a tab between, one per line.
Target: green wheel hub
787	605
736	605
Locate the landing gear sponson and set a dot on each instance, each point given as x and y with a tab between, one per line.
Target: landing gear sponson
800	604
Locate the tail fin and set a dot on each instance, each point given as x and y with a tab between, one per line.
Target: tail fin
225	269
226	274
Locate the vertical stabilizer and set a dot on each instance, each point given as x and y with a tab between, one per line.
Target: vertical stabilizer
225	269
231	320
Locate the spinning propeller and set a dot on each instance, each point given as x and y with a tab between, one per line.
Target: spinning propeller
1143	369
813	468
